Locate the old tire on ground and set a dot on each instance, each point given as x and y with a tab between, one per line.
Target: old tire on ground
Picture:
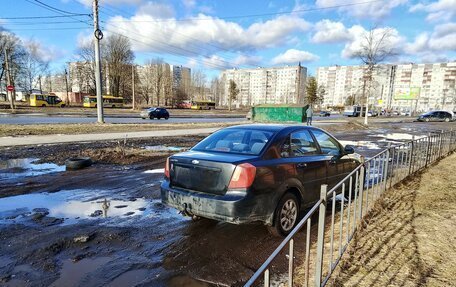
286	215
76	163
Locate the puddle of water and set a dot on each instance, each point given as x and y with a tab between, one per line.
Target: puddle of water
73	273
23	167
71	205
164	148
130	278
158	170
361	144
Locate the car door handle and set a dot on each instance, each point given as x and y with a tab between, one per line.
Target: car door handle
301	165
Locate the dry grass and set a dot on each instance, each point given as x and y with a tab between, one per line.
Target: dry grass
410	237
46	129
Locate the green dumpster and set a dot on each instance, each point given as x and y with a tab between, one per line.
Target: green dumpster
279	113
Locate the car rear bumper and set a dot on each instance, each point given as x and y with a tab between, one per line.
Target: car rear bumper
236	208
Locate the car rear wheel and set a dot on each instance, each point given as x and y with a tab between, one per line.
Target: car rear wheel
167	117
447	120
286	215
426	119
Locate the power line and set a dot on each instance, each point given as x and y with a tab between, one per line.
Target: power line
56	10
41	23
42	17
177	51
297	11
46	29
51	7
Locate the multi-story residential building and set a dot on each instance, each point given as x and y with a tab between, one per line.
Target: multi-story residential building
275	85
411	87
181	77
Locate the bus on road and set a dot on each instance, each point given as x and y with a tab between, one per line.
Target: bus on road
108	102
203	105
46	101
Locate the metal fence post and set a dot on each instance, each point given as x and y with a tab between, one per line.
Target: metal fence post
321	235
361	187
428	150
385	169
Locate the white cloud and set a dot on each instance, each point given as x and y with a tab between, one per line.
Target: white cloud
156	10
375	10
242	60
394	40
46	53
328	31
171	35
441	10
443	38
293	56
189	4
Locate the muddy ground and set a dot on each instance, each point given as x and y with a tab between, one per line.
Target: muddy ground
105	225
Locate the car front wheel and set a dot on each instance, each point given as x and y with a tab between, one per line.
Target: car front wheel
447	120
286	215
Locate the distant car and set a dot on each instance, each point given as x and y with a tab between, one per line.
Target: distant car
325	114
436	116
372	114
158	113
256	173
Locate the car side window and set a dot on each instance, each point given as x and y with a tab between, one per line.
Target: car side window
327	144
299	144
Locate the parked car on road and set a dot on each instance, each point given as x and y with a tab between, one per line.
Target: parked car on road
158	113
325	114
256	173
436	116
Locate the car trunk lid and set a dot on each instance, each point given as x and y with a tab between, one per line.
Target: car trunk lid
204	172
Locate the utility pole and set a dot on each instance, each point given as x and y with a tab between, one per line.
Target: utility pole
8	79
133	86
98	36
66	84
41	91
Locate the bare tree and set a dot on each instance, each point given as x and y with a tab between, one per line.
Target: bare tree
34	65
377	46
198	85
119	58
11	46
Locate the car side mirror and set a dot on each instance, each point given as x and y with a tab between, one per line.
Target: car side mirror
348	149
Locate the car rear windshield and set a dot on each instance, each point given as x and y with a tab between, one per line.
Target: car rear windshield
240	141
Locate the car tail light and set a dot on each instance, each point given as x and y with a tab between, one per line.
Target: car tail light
167	168
243	176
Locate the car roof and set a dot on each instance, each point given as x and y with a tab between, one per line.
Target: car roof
272	127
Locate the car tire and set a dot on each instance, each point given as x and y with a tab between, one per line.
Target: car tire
151	117
166	117
286	215
426	119
447	120
76	163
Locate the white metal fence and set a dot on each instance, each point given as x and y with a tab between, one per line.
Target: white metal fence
339	211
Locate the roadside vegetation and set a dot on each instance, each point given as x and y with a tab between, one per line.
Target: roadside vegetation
409	239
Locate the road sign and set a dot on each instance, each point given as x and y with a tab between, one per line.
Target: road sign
10	88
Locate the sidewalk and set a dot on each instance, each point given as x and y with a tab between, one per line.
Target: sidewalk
59	138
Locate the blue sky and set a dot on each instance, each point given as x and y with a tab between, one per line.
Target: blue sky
212	35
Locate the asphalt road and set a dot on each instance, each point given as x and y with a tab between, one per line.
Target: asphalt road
29	119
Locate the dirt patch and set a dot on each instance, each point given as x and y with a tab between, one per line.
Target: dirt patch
7	130
409	238
129	151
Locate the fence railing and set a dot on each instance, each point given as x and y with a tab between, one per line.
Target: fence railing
340	210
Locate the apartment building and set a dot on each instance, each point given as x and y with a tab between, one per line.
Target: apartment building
275	85
181	77
408	87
